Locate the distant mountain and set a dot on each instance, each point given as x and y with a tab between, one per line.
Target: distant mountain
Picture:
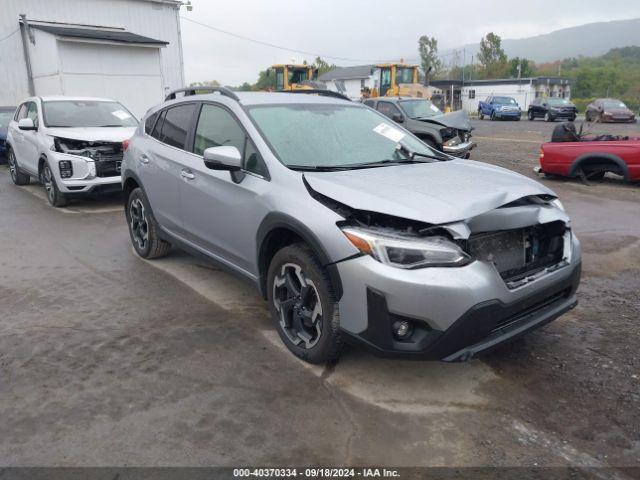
590	40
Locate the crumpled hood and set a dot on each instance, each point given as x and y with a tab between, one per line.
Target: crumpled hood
458	119
434	193
94	134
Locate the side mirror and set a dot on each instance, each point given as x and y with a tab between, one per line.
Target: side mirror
223	158
545	105
397	117
26	124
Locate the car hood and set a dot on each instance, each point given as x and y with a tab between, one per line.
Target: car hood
434	193
458	120
94	134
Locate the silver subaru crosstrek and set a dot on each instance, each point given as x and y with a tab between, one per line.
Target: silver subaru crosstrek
352	228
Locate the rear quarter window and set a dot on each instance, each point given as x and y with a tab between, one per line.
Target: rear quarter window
150	122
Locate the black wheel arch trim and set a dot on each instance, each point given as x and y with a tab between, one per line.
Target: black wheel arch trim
275	220
577	163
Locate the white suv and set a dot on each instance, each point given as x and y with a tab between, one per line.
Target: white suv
73	145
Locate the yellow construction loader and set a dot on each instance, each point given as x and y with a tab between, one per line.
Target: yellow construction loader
399	80
295	77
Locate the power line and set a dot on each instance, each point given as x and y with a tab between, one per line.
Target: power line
267	44
4	38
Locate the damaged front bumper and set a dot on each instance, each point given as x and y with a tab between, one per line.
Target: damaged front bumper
461	150
455	313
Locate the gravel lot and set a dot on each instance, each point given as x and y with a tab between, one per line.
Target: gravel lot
106	359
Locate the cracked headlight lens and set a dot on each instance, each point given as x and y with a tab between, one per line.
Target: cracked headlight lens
404	251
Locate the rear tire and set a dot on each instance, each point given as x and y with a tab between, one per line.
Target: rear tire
17	176
143	227
48	181
303	305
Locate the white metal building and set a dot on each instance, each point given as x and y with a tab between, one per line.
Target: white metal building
523	90
129	50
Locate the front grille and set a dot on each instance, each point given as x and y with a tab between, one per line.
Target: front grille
108	164
521	252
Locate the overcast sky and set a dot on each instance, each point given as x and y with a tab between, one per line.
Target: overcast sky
364	31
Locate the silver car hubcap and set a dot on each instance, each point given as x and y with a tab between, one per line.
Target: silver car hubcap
297	302
139	224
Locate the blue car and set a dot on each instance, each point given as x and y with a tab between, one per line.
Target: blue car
499	108
6	115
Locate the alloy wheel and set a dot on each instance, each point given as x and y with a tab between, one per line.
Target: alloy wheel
47	182
139	224
13	169
298	305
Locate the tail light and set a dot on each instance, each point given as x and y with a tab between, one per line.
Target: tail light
125	145
541	154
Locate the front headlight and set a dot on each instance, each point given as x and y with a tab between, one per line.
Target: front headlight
405	251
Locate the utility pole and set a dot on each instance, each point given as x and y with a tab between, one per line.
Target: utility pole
26	36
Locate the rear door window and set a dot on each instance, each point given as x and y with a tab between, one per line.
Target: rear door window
175	127
150	122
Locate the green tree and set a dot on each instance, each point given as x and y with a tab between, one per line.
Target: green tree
526	67
208	83
266	80
428	49
492	56
322	65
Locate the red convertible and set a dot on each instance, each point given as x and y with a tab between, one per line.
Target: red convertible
571	154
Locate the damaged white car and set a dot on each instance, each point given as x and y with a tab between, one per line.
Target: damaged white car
352	228
73	146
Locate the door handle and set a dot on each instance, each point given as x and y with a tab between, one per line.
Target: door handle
143	158
187	174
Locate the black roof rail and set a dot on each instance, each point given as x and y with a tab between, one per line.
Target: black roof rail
322	93
189	91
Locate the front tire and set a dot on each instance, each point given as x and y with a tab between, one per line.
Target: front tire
480	115
548	117
530	116
143	227
17	176
48	181
493	116
303	305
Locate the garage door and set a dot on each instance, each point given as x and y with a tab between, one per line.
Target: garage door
128	74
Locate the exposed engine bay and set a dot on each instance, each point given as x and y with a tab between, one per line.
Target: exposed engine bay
106	155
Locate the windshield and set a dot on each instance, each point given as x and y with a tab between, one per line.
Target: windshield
326	135
419	108
76	113
5	117
404	75
557	101
614	104
504	101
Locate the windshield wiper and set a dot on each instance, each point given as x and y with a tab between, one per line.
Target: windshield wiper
410	154
101	126
318	168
